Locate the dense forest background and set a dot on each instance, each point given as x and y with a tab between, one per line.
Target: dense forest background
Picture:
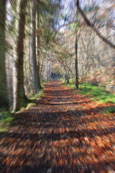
43	40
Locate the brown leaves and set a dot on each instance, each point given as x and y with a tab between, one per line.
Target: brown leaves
8	160
61	131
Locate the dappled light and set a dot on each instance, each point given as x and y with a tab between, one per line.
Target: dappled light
56	136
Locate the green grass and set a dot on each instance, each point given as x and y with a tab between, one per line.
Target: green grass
95	92
110	109
71	85
62	80
43	83
32	99
5	120
6	117
40	94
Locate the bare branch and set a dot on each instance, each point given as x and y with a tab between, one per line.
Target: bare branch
93	27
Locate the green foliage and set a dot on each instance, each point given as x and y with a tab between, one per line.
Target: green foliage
47	7
47	36
73	26
47	18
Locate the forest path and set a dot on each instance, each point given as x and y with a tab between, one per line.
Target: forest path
65	132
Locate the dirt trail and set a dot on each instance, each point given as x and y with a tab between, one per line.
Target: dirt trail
65	132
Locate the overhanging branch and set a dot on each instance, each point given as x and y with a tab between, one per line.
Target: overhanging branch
93	27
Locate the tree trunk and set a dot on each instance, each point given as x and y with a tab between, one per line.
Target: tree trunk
67	78
38	46
3	81
19	94
76	65
33	49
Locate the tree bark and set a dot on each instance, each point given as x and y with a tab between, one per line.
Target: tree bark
3	81
38	45
76	64
33	49
19	94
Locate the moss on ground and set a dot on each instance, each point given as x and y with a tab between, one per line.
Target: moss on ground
95	92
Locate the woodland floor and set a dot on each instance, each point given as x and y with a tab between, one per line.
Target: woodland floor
65	132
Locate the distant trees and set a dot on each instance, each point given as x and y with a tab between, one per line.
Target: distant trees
92	34
93	27
3	84
63	56
96	49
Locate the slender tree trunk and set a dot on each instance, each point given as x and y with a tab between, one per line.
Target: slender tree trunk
3	81
76	65
19	95
38	46
33	49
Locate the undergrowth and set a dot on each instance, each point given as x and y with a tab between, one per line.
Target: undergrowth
40	94
5	119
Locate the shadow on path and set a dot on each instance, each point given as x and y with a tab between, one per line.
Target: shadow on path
65	132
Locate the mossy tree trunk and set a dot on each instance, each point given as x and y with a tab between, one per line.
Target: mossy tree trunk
19	95
3	81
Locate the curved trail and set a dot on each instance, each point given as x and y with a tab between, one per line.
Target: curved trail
64	132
